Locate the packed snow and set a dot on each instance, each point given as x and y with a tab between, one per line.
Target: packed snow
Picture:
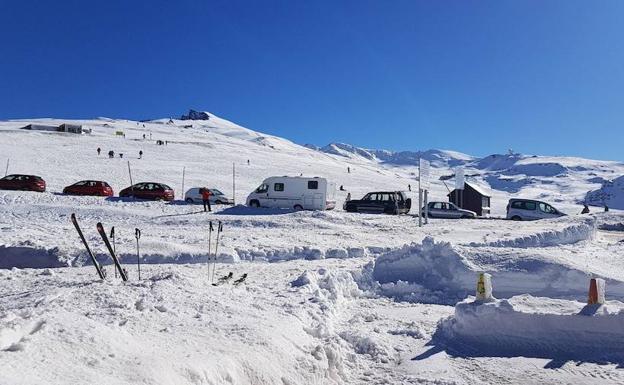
331	297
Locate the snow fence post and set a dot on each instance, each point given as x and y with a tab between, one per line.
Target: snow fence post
596	291
484	287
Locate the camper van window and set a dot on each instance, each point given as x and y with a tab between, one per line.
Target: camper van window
278	187
263	188
312	185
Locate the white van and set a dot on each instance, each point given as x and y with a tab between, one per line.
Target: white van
294	192
529	210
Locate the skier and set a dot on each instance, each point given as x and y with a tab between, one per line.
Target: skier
585	209
409	187
206	199
98	150
111	154
140	154
348	170
143	136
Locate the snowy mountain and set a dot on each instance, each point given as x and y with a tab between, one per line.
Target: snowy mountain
611	194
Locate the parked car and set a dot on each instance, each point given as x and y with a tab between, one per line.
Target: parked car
299	193
528	210
447	210
380	202
194	195
89	187
23	182
148	190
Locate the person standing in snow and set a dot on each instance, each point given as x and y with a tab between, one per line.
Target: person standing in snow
348	197
98	151
247	162
585	209
140	154
348	170
206	199
409	187
606	208
111	154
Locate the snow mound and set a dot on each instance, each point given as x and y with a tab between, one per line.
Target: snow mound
573	233
611	193
536	327
437	272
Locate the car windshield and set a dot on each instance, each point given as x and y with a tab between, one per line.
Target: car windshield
262	188
216	192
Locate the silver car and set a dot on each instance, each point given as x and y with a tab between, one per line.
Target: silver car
194	195
447	210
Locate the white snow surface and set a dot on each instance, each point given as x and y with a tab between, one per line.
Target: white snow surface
348	299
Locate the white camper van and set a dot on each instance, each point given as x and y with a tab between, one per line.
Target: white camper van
294	192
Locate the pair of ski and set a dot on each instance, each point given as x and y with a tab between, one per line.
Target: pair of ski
100	270
227	278
212	258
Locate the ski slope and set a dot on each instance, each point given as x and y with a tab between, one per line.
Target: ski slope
332	297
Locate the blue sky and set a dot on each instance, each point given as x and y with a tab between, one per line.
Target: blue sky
541	77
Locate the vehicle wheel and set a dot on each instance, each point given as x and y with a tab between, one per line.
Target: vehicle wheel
189	200
516	218
254	203
298	207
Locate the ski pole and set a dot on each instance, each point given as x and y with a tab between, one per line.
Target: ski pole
210	229
112	236
137	235
214	263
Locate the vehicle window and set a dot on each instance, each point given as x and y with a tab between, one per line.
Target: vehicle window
530	205
92	183
278	187
262	188
444	206
163	187
399	197
437	205
551	209
367	197
216	192
542	207
451	206
312	185
8	177
82	183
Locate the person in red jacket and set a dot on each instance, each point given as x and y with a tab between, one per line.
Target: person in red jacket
206	198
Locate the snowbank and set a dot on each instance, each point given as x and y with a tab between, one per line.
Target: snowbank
536	327
573	233
437	272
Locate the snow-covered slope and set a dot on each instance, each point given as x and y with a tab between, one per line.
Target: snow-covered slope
355	299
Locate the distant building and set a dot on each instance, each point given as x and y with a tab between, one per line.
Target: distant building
472	198
73	128
40	127
65	127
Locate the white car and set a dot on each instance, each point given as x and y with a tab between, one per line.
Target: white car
447	210
194	195
529	210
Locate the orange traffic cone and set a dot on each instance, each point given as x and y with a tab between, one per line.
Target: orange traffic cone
596	291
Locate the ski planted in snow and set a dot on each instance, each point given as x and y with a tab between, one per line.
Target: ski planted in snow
240	280
121	270
101	272
224	279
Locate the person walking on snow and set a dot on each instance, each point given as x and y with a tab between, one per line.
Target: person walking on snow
140	154
585	210
98	150
206	199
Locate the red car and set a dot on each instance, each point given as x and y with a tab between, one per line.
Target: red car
23	182
89	187
148	190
